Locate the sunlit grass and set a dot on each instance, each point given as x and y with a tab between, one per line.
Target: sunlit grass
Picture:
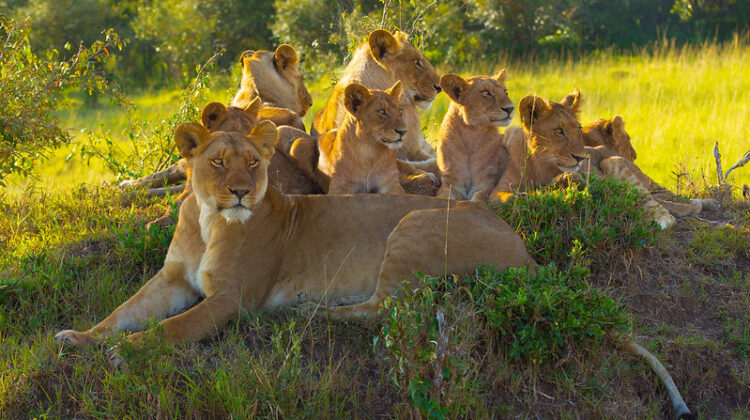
676	101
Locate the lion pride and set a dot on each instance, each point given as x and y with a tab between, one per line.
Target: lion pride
241	245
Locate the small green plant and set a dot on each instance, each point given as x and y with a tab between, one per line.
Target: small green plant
605	218
433	333
717	247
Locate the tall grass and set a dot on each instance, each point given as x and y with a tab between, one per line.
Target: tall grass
676	101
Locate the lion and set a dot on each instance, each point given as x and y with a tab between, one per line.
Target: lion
377	64
550	150
241	245
470	152
283	173
274	77
610	134
360	157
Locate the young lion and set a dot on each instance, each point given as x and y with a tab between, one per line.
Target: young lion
264	250
470	153
550	150
377	64
360	157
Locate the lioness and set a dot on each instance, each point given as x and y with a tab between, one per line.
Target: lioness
360	157
283	173
264	250
550	150
470	153
385	59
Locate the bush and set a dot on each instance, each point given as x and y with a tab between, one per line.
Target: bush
606	218
32	89
434	334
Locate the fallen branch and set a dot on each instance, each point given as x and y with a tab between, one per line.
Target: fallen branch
741	163
678	404
717	157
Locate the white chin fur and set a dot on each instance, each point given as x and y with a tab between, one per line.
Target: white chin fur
502	123
424	104
236	214
573	168
393	145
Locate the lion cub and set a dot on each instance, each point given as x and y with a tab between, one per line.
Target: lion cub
550	150
470	153
360	156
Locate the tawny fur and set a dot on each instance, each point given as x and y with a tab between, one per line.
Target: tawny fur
377	64
550	150
241	245
470	153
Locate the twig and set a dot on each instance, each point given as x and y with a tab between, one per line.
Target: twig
742	162
678	404
385	13
717	157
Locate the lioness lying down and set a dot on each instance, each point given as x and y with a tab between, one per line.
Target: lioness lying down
264	250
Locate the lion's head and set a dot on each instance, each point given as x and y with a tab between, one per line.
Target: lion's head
421	83
483	100
219	117
553	132
229	169
612	134
275	78
378	113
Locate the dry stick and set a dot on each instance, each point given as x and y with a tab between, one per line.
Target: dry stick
678	404
717	157
742	162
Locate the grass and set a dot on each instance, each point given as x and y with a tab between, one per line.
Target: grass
73	253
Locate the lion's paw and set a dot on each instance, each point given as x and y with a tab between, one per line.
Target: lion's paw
665	220
72	338
128	183
113	354
707	204
567	179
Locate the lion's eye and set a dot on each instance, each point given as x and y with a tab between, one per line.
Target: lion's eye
253	163
217	162
382	112
419	64
486	93
560	132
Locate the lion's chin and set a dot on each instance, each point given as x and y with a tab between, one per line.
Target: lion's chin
423	104
573	168
501	123
392	144
237	214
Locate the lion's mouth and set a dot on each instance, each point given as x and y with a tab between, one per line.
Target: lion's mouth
501	122
572	168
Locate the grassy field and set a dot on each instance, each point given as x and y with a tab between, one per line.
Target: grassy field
549	346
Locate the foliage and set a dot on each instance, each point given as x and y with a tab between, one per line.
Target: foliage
32	88
713	247
433	333
151	145
604	218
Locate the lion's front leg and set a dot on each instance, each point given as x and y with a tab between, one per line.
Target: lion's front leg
166	293
415	180
616	167
201	320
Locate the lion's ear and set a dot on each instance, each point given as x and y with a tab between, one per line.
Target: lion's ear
286	57
618	123
254	107
532	108
244	55
395	90
500	77
355	97
188	136
573	100
382	44
213	114
264	137
454	86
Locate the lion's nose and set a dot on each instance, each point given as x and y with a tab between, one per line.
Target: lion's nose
437	88
401	132
508	109
578	158
239	192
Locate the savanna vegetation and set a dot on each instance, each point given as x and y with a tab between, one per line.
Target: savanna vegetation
83	107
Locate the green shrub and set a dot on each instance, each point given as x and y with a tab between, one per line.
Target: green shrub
32	89
606	217
717	247
434	333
